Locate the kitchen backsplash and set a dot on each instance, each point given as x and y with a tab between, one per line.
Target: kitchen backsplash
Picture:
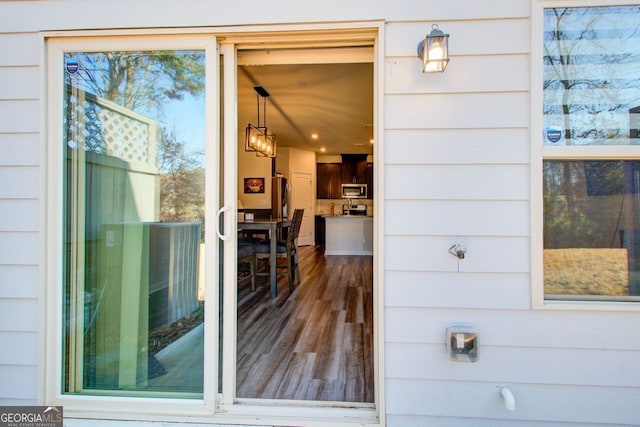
323	206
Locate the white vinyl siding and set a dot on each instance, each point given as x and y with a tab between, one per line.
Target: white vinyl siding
456	168
19	216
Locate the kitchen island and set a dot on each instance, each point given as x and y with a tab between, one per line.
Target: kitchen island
348	235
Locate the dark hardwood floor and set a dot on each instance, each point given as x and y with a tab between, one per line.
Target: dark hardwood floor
315	343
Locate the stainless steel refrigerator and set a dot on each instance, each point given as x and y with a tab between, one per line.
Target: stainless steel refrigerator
280	197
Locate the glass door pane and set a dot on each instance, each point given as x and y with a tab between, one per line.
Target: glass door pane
134	232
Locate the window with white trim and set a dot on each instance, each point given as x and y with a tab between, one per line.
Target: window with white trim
591	152
134	215
126	152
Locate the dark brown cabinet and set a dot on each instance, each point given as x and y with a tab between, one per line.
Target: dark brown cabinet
320	226
329	180
331	176
354	168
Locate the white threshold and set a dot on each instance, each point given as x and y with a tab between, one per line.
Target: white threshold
251	415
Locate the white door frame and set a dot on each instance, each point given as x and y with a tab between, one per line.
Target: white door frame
209	408
51	345
313	34
230	190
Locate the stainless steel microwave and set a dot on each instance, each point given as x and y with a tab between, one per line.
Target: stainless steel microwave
354	191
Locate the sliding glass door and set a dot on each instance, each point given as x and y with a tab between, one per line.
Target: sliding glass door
134	159
142	150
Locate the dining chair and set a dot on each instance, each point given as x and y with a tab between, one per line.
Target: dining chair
247	255
285	249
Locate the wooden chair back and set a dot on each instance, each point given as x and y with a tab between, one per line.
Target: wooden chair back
294	229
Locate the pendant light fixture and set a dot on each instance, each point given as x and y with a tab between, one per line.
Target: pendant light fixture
258	138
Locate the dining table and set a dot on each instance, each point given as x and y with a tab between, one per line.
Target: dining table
274	226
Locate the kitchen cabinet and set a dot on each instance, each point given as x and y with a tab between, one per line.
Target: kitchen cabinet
354	168
320	225
329	180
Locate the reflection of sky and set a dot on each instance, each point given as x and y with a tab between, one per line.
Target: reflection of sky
186	118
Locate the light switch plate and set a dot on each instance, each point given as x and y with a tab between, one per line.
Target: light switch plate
462	343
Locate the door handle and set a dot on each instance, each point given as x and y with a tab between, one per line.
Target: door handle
222	210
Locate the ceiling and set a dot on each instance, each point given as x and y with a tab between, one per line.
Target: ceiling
332	100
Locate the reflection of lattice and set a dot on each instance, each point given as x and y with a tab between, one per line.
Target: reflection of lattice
125	137
104	127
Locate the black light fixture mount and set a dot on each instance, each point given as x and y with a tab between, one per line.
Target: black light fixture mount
434	51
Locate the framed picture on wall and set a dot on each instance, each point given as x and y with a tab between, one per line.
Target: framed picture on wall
254	185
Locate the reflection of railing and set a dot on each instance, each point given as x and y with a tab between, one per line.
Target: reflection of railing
173	271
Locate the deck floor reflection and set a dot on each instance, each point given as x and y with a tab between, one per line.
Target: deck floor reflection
183	361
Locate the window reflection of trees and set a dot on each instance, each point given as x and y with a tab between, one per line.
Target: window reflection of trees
591	72
134	207
145	83
591	95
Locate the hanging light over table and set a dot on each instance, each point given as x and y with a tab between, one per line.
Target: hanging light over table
258	138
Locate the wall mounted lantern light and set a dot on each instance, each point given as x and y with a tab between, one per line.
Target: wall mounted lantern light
258	138
434	51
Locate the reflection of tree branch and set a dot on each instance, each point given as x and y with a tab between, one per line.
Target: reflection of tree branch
564	61
142	81
549	56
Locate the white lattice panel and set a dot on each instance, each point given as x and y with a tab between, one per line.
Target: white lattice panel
125	137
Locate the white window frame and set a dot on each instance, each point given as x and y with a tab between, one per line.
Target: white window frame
51	349
540	152
213	407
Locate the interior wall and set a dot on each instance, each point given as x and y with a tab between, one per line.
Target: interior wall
251	166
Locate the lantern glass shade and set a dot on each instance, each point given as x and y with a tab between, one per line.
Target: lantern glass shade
267	147
258	139
255	137
434	52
